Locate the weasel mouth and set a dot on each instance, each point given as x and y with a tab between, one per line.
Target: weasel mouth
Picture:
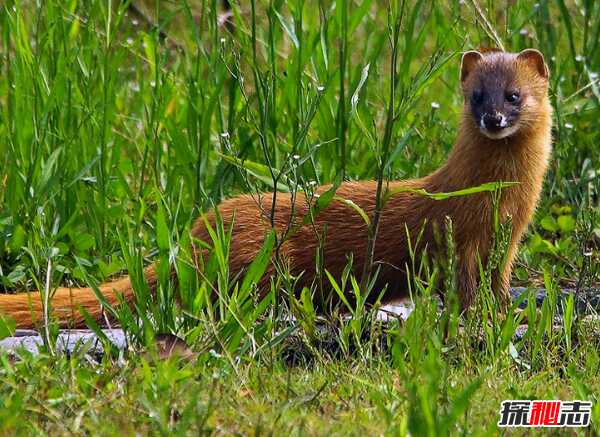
497	134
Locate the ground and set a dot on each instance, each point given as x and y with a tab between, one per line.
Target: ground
121	122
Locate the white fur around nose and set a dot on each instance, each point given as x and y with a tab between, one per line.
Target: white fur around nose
506	129
503	122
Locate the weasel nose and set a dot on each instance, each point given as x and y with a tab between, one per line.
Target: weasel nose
494	121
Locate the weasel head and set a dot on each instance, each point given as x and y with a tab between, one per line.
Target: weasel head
504	93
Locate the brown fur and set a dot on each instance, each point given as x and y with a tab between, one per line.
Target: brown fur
474	160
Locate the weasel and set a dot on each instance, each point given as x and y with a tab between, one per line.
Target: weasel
504	135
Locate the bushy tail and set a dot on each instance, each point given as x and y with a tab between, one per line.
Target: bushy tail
27	308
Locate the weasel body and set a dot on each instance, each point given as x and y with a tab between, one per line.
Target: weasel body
504	135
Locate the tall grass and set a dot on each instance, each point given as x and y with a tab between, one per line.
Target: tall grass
121	123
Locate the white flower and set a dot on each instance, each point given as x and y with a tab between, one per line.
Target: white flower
435	105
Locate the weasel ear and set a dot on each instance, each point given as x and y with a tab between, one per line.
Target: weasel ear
468	63
535	59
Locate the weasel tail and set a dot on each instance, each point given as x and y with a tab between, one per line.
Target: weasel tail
66	303
504	136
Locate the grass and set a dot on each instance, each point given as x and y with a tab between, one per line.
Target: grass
121	122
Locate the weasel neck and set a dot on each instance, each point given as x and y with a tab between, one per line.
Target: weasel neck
476	159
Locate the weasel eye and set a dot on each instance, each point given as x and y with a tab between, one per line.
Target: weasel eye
512	97
477	96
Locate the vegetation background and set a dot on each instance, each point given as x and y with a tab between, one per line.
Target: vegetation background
120	122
